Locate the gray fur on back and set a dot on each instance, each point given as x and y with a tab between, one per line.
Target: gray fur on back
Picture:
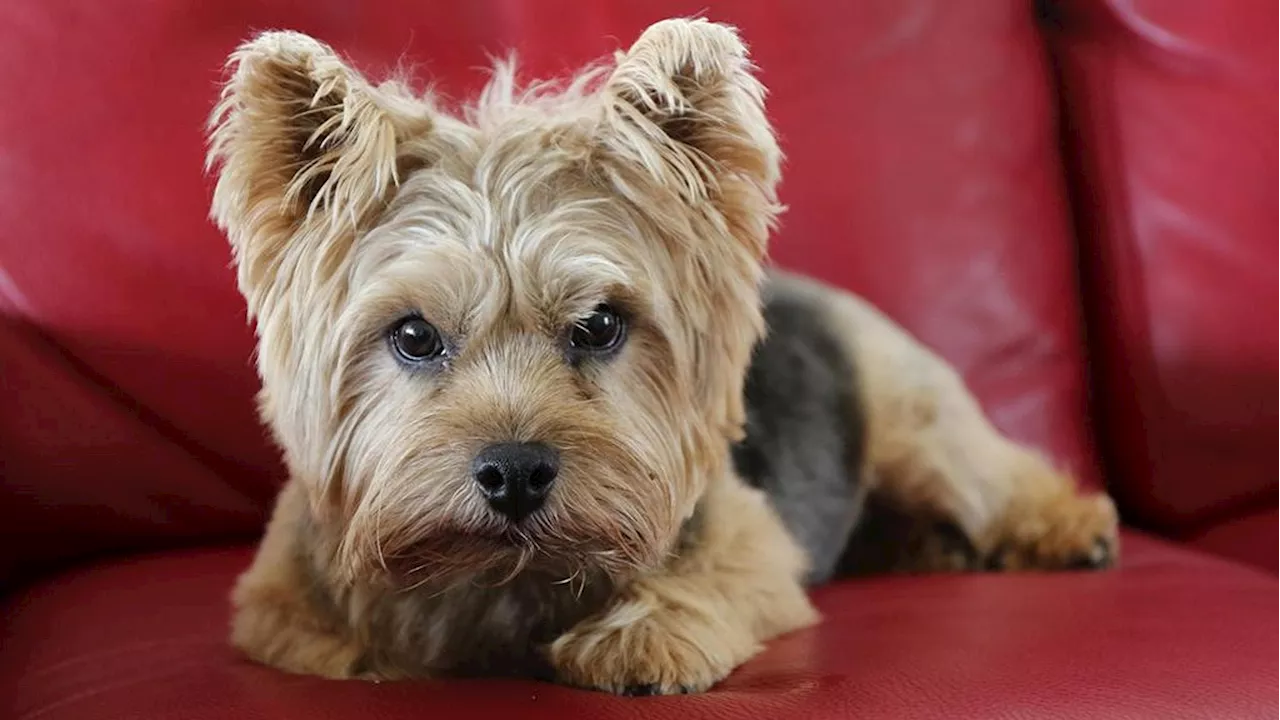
804	430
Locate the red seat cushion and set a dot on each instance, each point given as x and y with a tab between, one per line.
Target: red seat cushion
1171	635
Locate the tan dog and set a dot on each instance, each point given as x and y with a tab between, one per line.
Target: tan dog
515	362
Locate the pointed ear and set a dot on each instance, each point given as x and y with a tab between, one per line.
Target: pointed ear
683	103
299	137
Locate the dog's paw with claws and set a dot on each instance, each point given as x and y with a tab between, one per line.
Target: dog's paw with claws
661	653
1075	532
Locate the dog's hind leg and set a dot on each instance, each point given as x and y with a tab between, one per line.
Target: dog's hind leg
966	496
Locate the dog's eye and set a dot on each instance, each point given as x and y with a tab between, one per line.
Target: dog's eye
601	331
416	340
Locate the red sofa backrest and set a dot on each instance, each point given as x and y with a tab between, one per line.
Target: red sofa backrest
1171	111
923	171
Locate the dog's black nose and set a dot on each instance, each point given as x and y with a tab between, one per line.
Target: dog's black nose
516	477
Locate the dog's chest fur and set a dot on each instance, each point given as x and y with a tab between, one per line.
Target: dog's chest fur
477	629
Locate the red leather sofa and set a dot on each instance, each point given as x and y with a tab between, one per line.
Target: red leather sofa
1073	200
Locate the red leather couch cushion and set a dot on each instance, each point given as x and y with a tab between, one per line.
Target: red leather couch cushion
1173	115
86	469
922	172
1250	537
1170	635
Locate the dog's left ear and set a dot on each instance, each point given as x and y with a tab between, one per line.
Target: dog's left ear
683	104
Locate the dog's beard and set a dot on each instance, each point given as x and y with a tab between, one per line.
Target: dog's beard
607	516
446	559
496	552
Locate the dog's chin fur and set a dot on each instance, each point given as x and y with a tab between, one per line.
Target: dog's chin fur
442	559
646	183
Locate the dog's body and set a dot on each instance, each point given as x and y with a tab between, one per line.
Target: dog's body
519	367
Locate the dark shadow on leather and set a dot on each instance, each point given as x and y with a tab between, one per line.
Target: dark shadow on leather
89	470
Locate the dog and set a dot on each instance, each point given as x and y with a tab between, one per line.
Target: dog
548	411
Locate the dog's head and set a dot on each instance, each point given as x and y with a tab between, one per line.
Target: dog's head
511	336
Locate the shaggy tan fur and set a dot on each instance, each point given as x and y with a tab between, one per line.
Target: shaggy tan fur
647	183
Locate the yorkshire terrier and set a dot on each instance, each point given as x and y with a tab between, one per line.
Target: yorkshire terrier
545	410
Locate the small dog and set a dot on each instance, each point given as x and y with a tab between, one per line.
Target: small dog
517	362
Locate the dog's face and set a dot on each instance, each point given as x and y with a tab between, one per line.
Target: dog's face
513	338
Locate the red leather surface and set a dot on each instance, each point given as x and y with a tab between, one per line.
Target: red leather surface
1250	538
922	172
1171	635
84	469
1172	106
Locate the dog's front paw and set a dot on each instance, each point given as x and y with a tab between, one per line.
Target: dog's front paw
1073	532
639	651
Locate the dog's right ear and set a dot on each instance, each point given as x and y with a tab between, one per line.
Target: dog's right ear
305	150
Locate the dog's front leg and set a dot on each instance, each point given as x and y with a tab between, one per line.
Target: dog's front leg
275	619
735	583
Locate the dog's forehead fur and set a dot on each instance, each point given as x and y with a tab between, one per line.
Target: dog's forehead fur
538	239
